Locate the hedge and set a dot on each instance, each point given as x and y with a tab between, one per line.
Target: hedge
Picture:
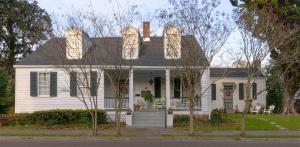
53	117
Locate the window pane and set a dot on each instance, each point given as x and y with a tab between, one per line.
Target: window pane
44	84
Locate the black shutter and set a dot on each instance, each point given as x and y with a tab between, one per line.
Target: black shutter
53	84
241	91
254	91
33	83
177	87
73	84
213	92
157	87
93	83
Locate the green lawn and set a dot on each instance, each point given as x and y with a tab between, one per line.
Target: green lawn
291	122
253	122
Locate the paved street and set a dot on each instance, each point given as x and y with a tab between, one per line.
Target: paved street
141	142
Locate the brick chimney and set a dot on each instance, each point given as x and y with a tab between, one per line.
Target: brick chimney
146	31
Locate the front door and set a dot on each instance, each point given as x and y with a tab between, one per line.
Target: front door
228	96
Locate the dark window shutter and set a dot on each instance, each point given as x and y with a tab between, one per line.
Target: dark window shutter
177	87
213	92
254	91
157	87
241	91
33	83
93	83
53	84
73	84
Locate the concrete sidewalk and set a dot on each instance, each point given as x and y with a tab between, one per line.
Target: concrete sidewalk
143	132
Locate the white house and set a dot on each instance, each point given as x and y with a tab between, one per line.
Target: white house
42	85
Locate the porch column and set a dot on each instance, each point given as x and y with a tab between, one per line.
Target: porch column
168	97
130	92
101	90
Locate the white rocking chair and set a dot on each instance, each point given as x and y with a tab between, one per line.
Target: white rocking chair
256	109
270	110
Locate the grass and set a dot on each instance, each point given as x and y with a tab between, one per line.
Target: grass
253	123
231	136
56	127
63	135
291	122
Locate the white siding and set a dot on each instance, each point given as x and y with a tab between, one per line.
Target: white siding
25	103
218	103
205	101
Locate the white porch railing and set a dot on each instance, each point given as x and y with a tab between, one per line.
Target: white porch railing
182	103
109	103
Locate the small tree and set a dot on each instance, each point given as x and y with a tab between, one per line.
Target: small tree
80	59
254	50
121	71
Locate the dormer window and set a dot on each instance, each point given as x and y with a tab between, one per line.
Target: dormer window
131	43
77	43
172	43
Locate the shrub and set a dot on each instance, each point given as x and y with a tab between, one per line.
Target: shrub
217	116
182	120
54	117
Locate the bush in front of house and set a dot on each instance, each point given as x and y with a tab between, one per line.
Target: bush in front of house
183	120
217	116
53	117
180	120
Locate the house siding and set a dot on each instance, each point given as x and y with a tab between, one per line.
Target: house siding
24	103
219	103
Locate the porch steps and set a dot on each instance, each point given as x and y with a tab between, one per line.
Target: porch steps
152	119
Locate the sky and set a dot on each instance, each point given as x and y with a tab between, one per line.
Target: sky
60	8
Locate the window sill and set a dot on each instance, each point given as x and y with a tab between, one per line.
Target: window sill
43	96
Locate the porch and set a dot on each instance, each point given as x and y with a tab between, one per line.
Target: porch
151	90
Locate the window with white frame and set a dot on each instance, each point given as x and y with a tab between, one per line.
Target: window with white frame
83	84
44	84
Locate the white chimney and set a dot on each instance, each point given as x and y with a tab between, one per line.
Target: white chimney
77	43
172	42
131	43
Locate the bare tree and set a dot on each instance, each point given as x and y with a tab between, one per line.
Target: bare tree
83	58
198	18
127	56
253	50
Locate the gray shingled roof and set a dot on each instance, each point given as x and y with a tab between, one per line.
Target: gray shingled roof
106	51
232	72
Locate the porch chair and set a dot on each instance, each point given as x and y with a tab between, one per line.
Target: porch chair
159	103
256	109
270	110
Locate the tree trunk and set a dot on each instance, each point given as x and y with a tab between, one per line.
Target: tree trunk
93	122
191	121
118	116
191	108
246	107
287	98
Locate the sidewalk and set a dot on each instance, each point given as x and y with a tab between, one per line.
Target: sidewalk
143	132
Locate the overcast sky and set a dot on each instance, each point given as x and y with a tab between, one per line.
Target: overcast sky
59	8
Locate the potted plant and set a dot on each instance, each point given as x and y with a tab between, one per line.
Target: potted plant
170	111
149	99
128	112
